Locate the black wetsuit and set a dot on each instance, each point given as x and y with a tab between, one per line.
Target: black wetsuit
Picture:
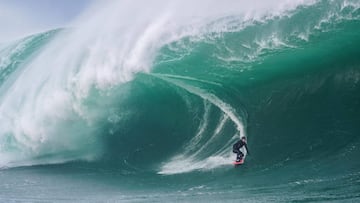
236	149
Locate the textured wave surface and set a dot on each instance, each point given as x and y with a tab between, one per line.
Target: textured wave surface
170	92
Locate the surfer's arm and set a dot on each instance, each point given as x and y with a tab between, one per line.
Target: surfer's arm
247	150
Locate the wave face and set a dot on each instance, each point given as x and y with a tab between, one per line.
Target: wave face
174	92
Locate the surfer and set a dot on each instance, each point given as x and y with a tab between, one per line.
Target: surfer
236	148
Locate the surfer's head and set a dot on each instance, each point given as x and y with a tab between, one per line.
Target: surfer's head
243	138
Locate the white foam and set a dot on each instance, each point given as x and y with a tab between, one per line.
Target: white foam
181	164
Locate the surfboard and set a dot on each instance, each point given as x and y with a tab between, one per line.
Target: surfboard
236	163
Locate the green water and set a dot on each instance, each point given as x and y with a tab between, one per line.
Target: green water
289	82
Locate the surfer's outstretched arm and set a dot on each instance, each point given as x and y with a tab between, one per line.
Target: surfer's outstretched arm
247	150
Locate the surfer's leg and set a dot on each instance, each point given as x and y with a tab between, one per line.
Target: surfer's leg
237	152
240	155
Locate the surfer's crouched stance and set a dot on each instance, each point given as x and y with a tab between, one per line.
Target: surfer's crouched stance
237	146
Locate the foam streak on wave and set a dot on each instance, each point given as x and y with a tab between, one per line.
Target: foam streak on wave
189	163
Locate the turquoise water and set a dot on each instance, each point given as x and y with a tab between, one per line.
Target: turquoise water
149	111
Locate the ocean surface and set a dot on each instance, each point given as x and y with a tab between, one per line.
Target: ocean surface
142	103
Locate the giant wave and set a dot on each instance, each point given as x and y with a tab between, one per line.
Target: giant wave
173	92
